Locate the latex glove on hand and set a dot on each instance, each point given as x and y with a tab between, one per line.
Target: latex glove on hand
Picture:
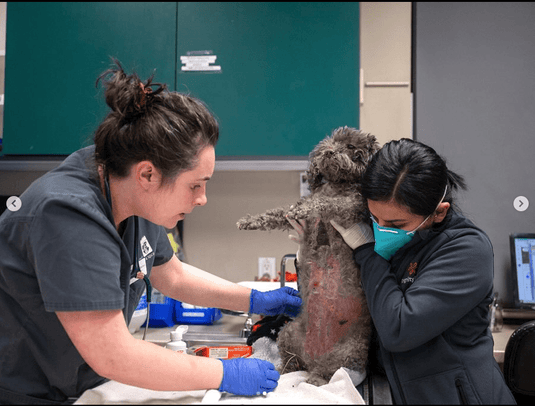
284	300
356	235
248	376
299	226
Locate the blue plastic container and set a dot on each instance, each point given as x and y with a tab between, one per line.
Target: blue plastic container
161	314
187	314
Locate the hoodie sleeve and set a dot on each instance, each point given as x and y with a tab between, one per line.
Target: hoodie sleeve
456	277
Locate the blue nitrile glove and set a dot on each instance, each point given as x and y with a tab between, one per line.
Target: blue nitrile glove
284	300
248	376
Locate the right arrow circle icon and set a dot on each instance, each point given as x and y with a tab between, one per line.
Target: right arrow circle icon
521	203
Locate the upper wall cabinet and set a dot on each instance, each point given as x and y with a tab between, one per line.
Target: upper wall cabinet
278	76
289	71
54	54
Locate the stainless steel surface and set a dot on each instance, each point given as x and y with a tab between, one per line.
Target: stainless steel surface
226	330
248	325
193	339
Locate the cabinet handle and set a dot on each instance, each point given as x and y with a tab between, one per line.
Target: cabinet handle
363	84
387	84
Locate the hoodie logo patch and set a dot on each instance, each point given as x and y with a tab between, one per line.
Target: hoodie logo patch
412	269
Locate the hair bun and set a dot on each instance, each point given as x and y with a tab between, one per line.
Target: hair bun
127	95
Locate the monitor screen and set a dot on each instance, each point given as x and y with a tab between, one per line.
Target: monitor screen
523	269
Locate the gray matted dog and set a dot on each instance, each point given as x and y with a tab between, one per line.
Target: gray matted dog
333	327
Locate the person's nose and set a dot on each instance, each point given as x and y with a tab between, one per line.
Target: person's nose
201	199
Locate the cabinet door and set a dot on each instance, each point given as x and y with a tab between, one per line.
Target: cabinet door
289	72
54	54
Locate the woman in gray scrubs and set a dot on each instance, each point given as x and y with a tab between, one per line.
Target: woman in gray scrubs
75	259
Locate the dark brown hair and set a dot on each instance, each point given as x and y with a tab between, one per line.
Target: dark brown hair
164	127
412	174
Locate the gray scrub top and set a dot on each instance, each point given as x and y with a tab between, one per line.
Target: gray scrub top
62	252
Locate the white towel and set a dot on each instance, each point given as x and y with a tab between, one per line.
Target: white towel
292	389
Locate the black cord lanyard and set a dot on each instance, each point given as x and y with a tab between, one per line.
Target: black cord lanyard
135	266
137	272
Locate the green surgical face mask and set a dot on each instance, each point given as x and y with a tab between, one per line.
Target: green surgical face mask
389	240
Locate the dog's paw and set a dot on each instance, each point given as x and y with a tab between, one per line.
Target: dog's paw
249	223
243	222
257	222
316	380
290	364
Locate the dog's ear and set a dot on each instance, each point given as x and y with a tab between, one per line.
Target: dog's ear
374	146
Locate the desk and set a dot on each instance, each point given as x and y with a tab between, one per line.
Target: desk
233	324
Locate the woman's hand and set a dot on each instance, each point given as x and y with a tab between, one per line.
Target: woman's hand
248	377
299	227
284	300
356	235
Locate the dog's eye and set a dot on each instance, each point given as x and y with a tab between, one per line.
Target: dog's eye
349	146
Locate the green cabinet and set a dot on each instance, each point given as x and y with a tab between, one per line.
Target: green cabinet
289	71
54	54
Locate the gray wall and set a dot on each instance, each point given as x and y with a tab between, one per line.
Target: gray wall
474	103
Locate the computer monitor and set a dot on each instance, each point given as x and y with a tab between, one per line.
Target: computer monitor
523	269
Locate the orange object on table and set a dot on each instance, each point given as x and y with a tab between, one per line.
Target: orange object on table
224	351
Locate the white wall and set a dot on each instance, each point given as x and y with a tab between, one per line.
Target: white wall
385	61
2	27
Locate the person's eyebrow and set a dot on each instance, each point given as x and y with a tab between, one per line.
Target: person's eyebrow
396	220
389	221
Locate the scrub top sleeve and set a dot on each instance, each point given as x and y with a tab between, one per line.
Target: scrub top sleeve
75	252
164	251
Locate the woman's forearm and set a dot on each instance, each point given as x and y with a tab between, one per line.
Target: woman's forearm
150	366
192	285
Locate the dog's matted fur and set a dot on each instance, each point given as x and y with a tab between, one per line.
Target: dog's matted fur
333	327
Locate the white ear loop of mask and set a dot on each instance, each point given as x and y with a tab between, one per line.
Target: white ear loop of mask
441	200
436	208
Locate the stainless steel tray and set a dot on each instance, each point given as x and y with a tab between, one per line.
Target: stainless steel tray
194	339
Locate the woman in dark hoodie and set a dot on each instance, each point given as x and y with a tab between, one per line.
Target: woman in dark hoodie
428	275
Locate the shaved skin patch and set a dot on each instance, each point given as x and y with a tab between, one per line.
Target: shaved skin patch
330	314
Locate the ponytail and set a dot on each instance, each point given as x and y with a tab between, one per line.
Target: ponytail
149	122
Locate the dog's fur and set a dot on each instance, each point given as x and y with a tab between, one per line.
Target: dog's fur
333	327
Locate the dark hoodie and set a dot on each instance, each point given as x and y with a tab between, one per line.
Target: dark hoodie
430	307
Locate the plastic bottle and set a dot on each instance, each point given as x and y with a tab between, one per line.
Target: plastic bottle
176	343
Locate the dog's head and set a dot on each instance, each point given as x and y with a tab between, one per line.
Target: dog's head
341	157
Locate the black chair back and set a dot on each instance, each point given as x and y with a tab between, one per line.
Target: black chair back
519	363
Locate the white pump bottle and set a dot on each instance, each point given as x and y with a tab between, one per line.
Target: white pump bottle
176	343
